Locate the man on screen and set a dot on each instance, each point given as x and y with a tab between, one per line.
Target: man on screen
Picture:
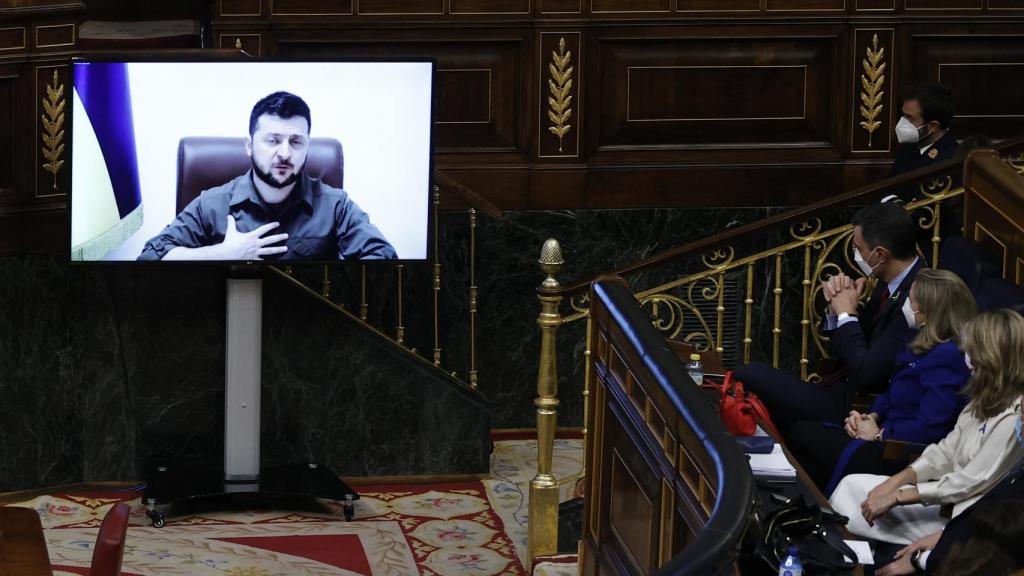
275	210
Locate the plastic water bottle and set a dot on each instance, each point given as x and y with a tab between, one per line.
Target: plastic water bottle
696	369
791	565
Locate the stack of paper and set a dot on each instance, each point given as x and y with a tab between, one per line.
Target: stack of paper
773	466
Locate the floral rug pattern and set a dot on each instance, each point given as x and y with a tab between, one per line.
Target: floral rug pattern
436	530
471	529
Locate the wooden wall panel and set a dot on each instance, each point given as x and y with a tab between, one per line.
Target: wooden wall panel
8	145
12	38
629	6
479	108
236	8
489	6
249	43
944	4
311	7
1006	5
874	5
549	7
631	513
401	7
805	5
55	35
712	92
985	72
718	5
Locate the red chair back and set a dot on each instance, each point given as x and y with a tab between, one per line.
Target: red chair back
106	556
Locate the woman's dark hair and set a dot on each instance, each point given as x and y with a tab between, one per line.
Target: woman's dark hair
282	104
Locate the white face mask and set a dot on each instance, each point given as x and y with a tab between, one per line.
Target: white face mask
1020	435
861	263
910	315
906	132
967	362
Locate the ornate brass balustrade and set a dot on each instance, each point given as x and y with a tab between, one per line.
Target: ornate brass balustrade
817	246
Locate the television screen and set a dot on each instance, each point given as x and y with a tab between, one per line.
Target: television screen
245	161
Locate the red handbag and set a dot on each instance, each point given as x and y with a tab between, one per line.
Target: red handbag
741	410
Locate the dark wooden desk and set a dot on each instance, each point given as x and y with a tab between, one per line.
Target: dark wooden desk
22	545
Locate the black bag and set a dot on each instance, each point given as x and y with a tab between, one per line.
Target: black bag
816	534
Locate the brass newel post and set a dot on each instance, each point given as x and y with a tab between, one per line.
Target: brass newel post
543	519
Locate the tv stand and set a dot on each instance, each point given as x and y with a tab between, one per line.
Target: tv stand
243	480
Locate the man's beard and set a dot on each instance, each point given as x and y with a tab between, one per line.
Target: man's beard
268	178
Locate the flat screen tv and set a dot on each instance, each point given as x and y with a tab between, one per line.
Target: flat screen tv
249	161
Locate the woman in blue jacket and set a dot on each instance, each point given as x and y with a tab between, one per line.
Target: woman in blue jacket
922	401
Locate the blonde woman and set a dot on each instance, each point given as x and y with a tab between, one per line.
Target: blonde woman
962	466
924	395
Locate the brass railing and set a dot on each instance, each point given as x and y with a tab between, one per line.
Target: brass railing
464	199
794	252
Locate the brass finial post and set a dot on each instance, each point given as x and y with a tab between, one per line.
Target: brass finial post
543	514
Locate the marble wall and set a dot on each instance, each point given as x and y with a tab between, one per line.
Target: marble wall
107	371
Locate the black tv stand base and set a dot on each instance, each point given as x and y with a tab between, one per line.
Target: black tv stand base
172	491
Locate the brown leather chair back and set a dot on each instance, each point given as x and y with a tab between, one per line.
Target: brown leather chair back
208	161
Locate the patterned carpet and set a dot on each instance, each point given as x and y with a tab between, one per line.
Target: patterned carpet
470	528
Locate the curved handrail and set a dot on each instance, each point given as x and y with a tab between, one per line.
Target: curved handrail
862	195
716	546
474	200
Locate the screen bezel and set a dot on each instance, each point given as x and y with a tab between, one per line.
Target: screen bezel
240	58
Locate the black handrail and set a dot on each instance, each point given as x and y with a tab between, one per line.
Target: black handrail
716	548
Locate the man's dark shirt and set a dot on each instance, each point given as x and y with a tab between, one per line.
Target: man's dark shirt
322	222
909	156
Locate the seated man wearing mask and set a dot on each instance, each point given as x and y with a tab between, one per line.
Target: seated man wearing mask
923	129
867	341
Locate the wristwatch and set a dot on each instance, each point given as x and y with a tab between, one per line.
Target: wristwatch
915	560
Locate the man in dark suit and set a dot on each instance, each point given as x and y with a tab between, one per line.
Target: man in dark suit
929	553
923	132
866	343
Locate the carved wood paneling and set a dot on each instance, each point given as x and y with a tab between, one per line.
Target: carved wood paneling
9	145
401	7
805	5
548	7
631	512
709	92
560	114
478	101
872	91
51	142
629	6
874	5
235	8
311	7
12	38
944	4
490	6
55	35
249	43
985	70
718	5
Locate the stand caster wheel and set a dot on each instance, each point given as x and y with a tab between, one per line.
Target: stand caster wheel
157	518
348	508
